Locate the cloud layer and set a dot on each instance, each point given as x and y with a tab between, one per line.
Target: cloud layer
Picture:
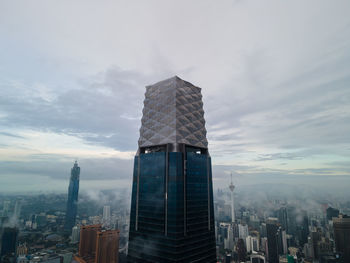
274	78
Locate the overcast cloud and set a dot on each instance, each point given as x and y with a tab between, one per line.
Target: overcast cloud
274	76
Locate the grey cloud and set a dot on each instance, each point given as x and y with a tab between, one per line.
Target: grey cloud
11	135
95	112
339	164
59	169
309	110
275	156
268	87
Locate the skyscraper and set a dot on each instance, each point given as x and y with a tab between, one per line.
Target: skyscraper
17	210
72	202
172	217
341	226
272	241
75	234
283	218
106	217
8	242
303	227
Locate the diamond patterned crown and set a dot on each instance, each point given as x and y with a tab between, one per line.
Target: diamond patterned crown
173	113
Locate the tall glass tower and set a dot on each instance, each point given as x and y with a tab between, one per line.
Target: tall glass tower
172	215
72	202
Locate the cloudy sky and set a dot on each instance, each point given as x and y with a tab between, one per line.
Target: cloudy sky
275	79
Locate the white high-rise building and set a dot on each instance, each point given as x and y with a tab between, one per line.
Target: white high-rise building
255	244
243	231
5	208
248	241
264	244
284	242
106	217
75	234
106	213
228	242
17	210
232	187
252	244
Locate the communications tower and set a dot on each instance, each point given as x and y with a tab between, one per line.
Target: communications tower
232	187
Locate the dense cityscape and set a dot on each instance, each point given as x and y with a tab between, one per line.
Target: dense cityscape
302	230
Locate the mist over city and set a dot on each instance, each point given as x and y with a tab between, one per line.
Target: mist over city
174	131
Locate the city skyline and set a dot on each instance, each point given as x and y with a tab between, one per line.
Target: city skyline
274	78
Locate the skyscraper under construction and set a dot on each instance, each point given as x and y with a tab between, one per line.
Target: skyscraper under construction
172	215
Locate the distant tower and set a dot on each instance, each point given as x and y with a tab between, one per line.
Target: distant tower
5	208
232	187
72	202
106	213
17	210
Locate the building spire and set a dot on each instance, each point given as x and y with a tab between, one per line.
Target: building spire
232	187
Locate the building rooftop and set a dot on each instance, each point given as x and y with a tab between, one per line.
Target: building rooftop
173	113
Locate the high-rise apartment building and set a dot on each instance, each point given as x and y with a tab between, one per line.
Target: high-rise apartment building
72	202
172	215
87	243
97	245
107	246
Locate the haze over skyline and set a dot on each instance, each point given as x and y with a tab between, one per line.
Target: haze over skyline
274	78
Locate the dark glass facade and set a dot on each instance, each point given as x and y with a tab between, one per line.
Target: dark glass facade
72	202
8	242
341	227
172	217
272	242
